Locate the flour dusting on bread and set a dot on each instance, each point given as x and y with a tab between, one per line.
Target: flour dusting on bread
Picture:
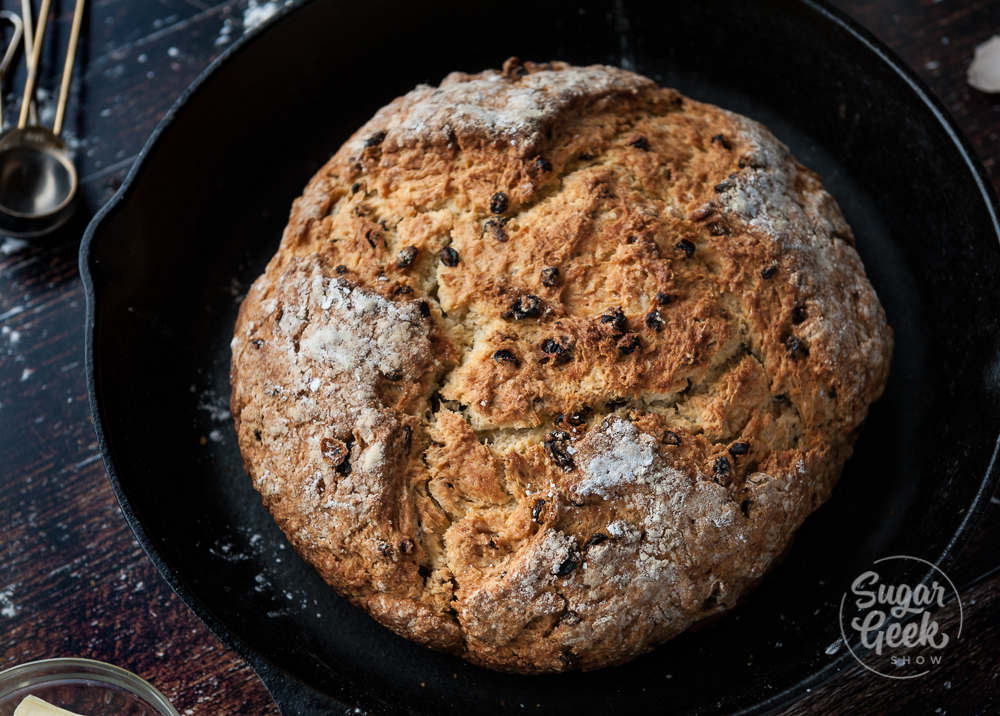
624	457
501	106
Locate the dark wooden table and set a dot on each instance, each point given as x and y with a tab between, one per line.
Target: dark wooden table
73	581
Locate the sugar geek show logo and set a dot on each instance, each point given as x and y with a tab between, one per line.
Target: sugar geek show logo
901	618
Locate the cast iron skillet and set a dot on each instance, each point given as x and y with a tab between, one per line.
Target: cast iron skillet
166	262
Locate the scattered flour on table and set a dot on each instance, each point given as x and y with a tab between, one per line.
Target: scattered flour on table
13	337
7	607
11	245
10	313
225	32
257	13
984	72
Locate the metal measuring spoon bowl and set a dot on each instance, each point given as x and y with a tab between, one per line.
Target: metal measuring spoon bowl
38	182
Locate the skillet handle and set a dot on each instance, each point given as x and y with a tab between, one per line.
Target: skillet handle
294	698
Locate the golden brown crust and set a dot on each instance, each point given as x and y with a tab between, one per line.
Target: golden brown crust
552	362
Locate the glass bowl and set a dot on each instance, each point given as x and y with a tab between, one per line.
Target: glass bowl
84	686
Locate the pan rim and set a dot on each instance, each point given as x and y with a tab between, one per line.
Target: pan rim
271	673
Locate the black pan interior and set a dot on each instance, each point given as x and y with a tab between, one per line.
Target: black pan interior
170	261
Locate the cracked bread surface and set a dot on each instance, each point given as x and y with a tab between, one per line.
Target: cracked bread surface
552	362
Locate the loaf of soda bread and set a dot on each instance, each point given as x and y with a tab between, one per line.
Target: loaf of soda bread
552	362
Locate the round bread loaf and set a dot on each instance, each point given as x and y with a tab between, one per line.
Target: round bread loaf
552	362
